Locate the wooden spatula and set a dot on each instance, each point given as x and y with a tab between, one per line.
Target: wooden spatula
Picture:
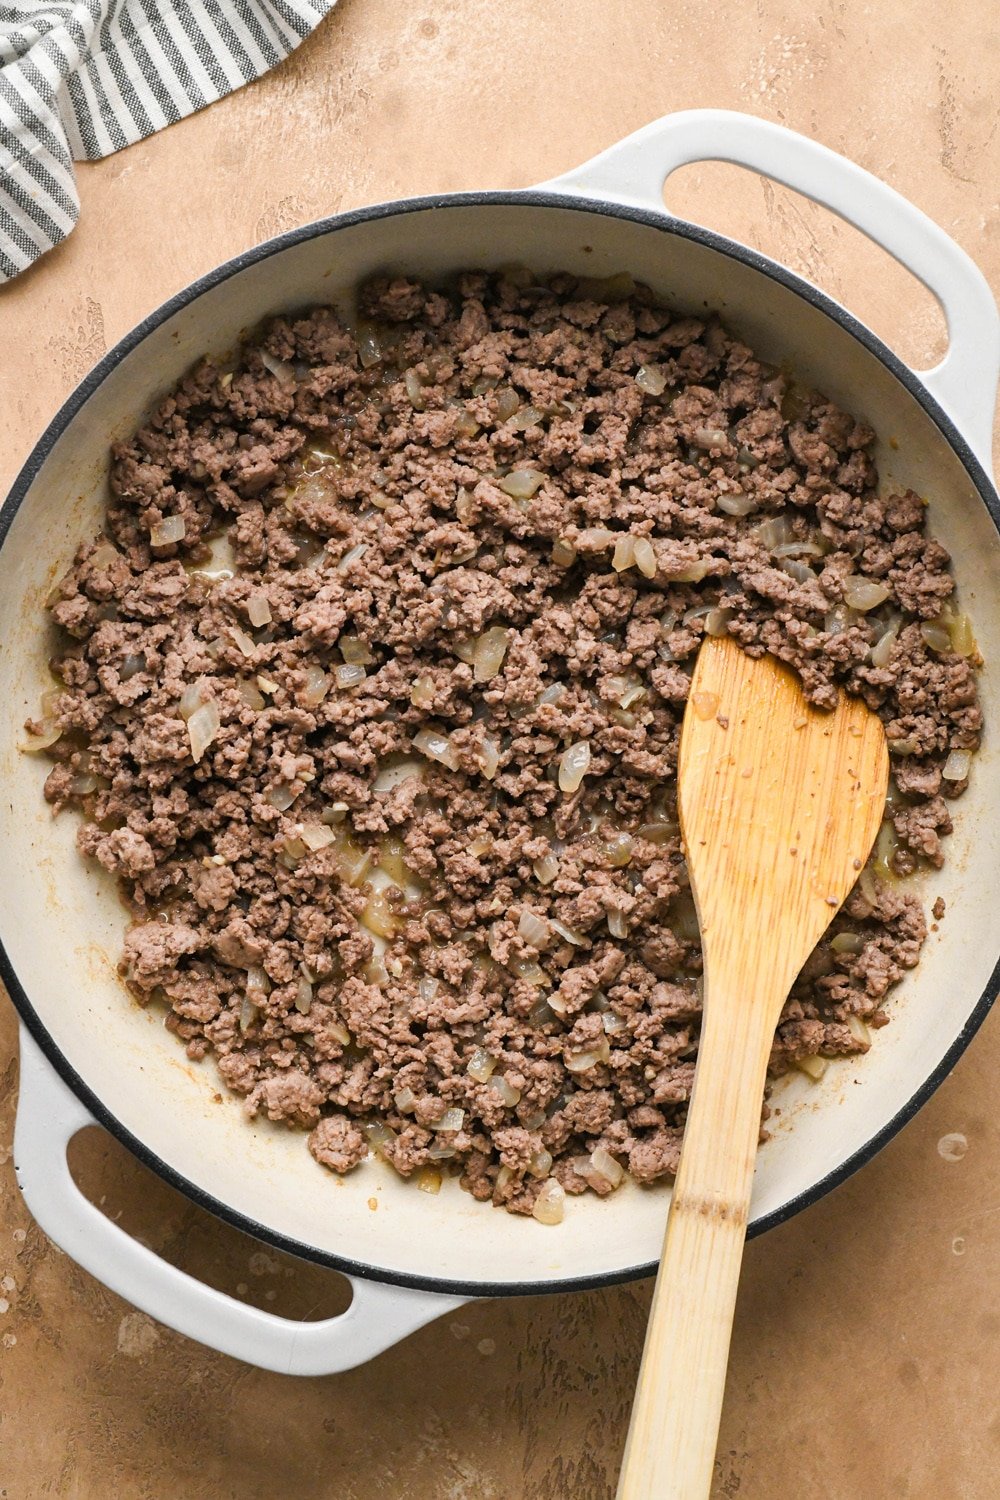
779	807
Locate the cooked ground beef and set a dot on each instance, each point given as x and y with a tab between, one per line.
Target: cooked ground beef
387	771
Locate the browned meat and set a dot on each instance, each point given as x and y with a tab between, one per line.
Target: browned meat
484	531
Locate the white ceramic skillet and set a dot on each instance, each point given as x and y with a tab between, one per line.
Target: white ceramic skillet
88	1053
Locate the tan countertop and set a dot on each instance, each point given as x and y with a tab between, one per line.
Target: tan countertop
865	1360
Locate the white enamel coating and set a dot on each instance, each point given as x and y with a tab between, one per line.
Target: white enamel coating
60	920
49	1116
634	171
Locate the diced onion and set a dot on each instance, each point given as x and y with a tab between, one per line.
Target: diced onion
317	685
415	390
645	557
697	612
203	726
347	675
429	1180
710	437
859	1030
251	695
963	642
804	574
588	1057
490	650
521	484
533	929
489	755
651	380
596	539
351	556
956	767
617	923
441	1152
717	622
936	635
243	641
736	503
692	572
563	553
293	850
905	746
612	1023
847	942
883	647
658	831
248	1014
548	1207
797	549
624	553
369	348
773	532
422	692
863	594
528	416
316	836
509	1094
508	402
35	743
257	980
546	869
540	1014
258	609
339	1032
436	746
131	666
452	1119
279	368
304	997
481	1065
540	1164
281	796
380	1137
604	1166
168	531
814	1067
356	651
618	850
531	972
574	764
378	916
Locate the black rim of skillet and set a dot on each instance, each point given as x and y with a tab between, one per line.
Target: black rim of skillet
526	198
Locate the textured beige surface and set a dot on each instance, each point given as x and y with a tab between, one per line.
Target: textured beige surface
866	1356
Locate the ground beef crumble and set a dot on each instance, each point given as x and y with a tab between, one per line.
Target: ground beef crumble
428	567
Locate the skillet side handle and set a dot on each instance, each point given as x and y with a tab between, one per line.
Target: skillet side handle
48	1117
633	172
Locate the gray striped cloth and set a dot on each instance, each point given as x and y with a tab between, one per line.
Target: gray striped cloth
80	79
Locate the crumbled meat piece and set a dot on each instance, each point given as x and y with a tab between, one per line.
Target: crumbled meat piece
423	518
337	1143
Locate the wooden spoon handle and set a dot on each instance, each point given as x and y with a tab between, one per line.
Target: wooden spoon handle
671	1441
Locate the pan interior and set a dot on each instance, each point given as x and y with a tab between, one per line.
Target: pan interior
61	922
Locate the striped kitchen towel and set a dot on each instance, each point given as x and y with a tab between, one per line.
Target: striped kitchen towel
80	79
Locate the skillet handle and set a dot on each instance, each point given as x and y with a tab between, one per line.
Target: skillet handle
48	1117
633	172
